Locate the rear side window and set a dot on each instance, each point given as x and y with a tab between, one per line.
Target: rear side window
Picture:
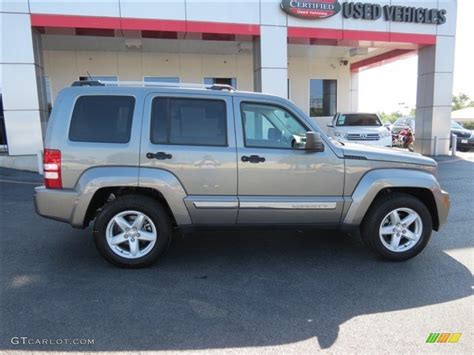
188	122
102	119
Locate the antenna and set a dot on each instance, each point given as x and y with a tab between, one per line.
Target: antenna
89	75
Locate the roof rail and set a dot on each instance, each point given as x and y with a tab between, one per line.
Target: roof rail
88	83
219	87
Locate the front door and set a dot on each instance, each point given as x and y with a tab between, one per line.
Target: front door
193	138
278	182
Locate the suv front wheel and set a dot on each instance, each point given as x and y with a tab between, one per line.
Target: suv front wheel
397	226
132	231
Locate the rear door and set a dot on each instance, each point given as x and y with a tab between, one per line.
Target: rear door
193	138
279	183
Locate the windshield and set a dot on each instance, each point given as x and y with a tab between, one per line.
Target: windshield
401	122
404	121
358	119
456	125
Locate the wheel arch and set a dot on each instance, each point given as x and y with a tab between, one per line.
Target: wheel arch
423	194
103	195
376	183
96	186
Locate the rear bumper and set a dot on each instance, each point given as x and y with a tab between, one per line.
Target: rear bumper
55	204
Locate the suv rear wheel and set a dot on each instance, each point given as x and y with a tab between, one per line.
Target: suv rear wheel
132	231
397	227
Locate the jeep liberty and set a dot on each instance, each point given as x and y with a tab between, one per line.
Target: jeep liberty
140	162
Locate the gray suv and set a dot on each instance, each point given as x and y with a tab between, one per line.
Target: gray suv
140	162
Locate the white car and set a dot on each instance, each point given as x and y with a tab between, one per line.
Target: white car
365	128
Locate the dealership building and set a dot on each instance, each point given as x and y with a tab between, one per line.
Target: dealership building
310	51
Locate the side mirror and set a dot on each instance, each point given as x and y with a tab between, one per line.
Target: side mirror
314	143
330	125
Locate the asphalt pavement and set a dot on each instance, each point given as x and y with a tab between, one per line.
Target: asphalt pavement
273	291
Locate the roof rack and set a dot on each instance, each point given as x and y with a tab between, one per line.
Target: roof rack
88	83
220	87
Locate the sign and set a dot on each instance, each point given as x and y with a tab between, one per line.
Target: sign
311	9
395	13
320	9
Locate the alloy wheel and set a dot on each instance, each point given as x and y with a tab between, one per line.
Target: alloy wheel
401	229
131	234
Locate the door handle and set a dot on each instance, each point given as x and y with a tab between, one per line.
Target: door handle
159	155
253	159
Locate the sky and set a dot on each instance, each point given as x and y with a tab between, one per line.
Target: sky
399	78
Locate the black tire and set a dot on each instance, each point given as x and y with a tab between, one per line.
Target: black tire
377	212
150	207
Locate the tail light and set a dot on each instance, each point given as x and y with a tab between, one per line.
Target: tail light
52	169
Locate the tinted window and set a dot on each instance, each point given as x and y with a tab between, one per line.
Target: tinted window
102	119
401	122
456	125
269	126
404	121
322	97
188	122
358	119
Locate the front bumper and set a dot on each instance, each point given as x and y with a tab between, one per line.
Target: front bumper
55	204
382	142
465	143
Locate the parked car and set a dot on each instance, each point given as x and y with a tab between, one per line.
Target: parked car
404	139
465	137
366	128
140	162
401	124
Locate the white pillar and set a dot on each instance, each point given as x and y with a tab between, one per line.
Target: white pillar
23	94
435	89
270	57
354	92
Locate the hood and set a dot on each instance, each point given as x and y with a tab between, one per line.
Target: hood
386	154
461	132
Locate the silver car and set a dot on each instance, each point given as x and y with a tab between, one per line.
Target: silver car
142	162
364	128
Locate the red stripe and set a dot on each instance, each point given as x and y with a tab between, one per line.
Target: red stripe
380	59
366	36
153	25
354	35
306	32
224	28
413	38
69	21
66	21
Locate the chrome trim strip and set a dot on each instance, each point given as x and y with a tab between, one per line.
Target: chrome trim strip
215	204
290	205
